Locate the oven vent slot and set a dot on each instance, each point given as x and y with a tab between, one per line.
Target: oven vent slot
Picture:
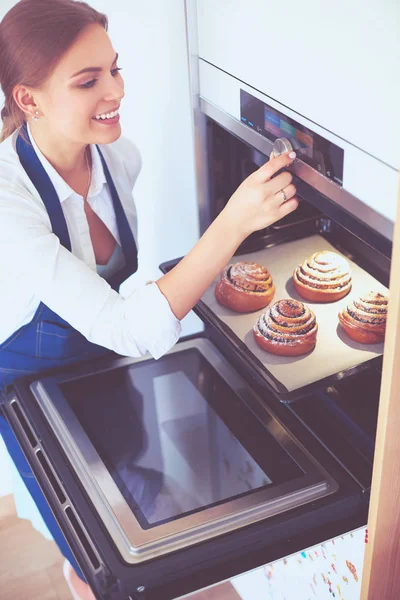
24	424
55	485
51	477
82	537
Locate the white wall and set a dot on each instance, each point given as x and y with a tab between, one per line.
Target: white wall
335	63
151	41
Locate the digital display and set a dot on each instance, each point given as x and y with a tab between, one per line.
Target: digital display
313	149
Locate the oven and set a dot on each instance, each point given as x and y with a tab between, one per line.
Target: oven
168	476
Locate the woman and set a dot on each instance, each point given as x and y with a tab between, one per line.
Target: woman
67	218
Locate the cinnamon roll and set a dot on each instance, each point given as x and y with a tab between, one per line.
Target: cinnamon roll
287	328
364	319
323	277
245	287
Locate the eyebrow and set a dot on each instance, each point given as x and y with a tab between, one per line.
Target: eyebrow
93	69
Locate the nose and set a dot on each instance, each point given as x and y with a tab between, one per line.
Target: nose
115	89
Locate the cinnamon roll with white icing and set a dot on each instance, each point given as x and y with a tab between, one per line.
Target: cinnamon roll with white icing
364	319
287	328
323	277
245	287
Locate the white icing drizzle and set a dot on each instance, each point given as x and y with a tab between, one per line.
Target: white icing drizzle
369	310
287	322
326	271
249	277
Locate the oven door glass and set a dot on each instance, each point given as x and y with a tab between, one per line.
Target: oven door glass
175	451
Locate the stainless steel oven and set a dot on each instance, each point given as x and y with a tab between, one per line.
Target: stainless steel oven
168	476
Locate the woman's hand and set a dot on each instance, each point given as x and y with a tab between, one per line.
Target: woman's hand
257	203
262	199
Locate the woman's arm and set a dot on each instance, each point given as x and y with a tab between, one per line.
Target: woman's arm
256	204
35	267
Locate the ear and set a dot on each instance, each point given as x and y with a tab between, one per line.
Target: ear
24	99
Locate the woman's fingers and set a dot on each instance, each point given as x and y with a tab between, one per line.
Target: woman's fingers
274	165
285	194
288	207
278	183
264	197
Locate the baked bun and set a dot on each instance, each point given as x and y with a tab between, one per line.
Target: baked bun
323	277
364	319
245	287
287	328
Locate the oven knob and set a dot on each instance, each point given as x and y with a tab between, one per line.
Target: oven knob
281	145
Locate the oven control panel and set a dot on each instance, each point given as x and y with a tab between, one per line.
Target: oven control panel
318	152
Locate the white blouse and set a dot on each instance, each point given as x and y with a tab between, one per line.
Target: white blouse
35	268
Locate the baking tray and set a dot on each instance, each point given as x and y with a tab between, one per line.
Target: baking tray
335	354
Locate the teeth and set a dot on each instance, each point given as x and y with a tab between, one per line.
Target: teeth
109	115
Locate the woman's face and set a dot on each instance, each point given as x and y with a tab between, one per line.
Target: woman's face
85	85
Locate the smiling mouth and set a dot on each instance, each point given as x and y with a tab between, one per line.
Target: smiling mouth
108	116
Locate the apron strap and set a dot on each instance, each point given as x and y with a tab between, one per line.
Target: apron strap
36	173
128	243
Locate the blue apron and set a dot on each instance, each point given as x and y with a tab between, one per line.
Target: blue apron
48	341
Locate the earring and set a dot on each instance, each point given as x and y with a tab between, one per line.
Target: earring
36	118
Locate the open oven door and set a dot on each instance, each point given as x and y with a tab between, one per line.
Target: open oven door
167	476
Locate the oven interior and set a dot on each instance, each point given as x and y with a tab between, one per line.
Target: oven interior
230	160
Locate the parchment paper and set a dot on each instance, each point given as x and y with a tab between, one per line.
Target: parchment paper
334	351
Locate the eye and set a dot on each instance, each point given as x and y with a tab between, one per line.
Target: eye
92	82
88	84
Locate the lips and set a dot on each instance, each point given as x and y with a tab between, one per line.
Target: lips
109	118
106	115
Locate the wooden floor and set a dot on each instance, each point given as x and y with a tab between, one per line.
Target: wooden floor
31	566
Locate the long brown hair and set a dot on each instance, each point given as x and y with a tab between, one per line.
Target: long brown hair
34	35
